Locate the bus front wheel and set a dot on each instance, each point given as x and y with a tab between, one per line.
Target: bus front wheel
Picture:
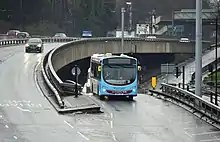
102	97
130	98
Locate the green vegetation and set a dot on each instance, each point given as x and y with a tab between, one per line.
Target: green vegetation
211	78
74	16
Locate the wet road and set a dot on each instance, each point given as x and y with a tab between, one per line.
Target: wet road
26	116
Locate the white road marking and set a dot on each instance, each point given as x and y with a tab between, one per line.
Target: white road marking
111	115
114	138
35	78
77	132
15	137
27	110
6	126
209	140
83	136
0	116
68	124
188	134
21	104
111	123
206	133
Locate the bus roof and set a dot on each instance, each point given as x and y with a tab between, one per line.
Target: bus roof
100	57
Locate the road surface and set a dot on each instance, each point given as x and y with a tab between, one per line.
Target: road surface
26	116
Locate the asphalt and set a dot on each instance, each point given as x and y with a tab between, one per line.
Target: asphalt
26	116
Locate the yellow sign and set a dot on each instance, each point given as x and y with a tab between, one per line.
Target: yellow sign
139	68
99	68
154	82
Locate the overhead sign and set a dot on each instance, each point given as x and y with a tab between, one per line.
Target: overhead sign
167	68
142	29
87	34
74	70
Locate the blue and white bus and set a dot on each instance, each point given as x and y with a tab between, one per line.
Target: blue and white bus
112	75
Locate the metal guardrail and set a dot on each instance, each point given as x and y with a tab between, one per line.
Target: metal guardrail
5	42
200	105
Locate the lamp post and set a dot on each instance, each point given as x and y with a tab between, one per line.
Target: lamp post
216	54
130	15
198	75
21	12
122	29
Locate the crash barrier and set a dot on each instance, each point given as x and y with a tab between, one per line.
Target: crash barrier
5	42
68	88
48	81
189	99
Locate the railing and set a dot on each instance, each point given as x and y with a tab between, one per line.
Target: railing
200	105
5	42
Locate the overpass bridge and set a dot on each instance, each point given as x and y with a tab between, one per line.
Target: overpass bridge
23	112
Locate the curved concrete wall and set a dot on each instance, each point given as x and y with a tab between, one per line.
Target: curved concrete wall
76	50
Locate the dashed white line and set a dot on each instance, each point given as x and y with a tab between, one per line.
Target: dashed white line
111	115
15	137
114	138
68	124
111	124
6	126
188	134
83	136
77	132
27	110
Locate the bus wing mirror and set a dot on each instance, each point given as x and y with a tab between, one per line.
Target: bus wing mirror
139	68
99	68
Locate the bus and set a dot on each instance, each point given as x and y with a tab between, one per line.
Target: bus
113	75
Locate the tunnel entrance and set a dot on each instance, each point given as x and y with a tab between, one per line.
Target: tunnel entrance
150	63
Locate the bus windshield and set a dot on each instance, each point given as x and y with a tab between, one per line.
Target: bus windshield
119	74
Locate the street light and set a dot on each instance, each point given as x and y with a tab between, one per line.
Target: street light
122	29
130	15
21	12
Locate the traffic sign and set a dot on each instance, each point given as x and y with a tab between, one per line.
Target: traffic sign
74	70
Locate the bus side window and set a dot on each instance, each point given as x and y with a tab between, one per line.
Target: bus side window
95	70
92	69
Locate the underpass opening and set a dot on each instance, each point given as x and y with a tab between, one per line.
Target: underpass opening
150	63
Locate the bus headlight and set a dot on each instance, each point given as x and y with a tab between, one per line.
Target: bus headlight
103	89
134	90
